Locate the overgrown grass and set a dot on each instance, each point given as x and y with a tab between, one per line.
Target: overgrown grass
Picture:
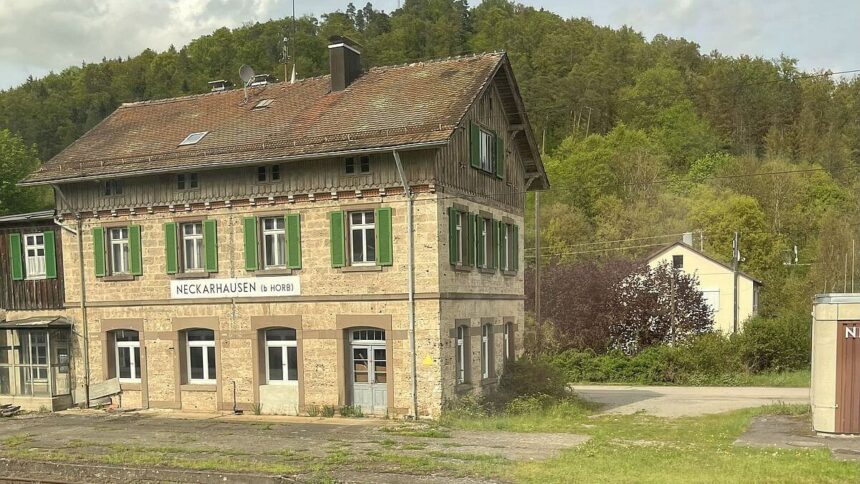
642	448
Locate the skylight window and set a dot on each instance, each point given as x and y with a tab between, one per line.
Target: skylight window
193	138
263	103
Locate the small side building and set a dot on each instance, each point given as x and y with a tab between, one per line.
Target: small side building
35	335
716	281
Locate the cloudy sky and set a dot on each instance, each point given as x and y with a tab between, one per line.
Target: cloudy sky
37	36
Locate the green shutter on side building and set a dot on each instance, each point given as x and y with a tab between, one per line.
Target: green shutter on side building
16	257
294	241
384	237
99	251
453	250
135	252
210	245
494	244
250	228
470	239
338	252
500	156
170	252
502	229
479	241
516	242
50	255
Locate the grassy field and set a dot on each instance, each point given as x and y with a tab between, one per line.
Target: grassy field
631	448
796	378
640	448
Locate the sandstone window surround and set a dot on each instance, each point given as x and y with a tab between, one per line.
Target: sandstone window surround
117	252
461	355
362	238
127	354
32	256
281	357
272	242
200	356
191	246
486	351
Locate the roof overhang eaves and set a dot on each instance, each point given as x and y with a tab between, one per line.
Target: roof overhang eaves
220	164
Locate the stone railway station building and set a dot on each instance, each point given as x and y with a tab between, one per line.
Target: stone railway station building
349	239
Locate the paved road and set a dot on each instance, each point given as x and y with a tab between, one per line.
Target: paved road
665	401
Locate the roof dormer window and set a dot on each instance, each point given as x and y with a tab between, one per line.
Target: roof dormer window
193	138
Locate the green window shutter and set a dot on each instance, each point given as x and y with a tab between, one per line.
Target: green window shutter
338	251
135	253
170	252
453	250
99	251
474	145
250	227
479	241
210	245
50	255
294	241
16	255
500	156
502	247
384	238
470	239
516	242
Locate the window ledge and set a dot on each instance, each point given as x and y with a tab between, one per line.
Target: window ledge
361	269
130	386
118	277
489	381
487	270
191	275
199	387
510	273
462	268
273	272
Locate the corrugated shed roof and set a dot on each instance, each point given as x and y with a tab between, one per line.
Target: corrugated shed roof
412	104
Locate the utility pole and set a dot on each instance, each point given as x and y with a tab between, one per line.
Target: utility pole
736	259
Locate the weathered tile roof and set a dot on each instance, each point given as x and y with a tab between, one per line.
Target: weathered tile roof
409	104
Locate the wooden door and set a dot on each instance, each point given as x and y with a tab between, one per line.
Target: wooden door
848	377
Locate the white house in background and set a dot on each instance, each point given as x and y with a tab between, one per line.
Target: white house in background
716	281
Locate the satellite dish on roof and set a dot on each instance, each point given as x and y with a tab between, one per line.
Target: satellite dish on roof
246	73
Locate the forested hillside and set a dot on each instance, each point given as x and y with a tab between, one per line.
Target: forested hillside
645	138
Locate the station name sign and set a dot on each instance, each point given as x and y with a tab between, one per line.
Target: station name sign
239	287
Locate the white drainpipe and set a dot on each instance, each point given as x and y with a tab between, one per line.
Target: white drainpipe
410	262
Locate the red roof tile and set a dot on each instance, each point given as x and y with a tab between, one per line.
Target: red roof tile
386	107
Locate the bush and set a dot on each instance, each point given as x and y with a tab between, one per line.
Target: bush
776	344
531	377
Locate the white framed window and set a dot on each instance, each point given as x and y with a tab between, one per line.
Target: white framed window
509	341
112	187
486	348
192	246
274	242
486	234
712	299
459	224
460	353
118	250
281	356
488	151
187	181
200	356
127	353
268	173
34	255
362	238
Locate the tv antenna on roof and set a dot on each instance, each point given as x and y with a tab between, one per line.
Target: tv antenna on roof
246	73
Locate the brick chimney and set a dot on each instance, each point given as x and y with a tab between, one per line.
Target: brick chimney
344	61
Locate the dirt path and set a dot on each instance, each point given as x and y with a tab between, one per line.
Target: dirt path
666	401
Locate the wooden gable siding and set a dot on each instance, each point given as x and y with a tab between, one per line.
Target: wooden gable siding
452	162
297	177
30	295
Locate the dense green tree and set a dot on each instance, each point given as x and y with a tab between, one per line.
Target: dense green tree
16	161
